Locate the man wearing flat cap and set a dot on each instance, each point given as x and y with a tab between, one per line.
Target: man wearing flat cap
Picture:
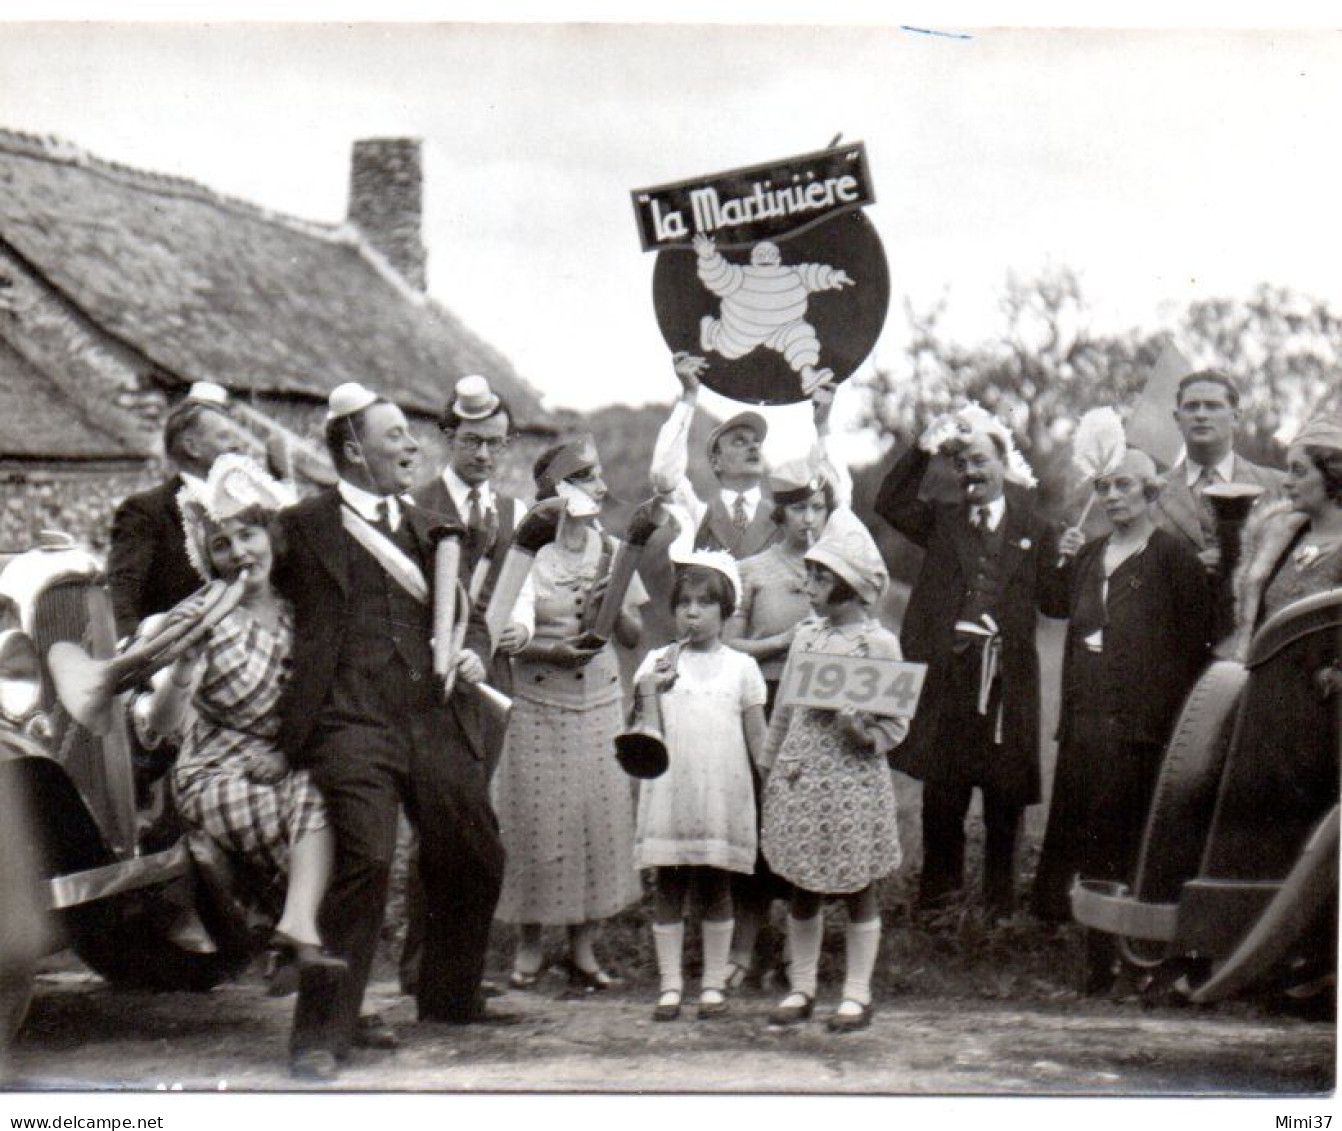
365	714
147	568
738	518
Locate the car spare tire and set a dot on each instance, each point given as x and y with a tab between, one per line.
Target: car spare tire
1184	799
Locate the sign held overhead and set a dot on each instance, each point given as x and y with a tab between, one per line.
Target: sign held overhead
771	272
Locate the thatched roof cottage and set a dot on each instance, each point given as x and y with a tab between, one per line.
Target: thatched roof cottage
119	288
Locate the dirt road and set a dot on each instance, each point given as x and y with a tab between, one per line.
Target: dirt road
82	1034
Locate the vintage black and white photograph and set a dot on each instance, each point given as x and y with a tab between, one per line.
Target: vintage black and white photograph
722	557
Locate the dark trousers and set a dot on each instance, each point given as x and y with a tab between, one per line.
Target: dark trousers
967	742
945	807
493	732
365	774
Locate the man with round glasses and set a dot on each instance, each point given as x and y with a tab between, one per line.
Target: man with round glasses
478	426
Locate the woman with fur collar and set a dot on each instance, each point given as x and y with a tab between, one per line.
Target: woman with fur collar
1292	548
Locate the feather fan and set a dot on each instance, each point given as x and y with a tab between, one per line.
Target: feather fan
1099	444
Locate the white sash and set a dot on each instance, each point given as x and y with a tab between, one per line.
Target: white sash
389	556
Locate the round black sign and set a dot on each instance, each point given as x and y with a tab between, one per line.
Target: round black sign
773	317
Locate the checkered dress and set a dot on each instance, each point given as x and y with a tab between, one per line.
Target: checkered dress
246	665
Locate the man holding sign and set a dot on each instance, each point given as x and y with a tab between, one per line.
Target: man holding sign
971	619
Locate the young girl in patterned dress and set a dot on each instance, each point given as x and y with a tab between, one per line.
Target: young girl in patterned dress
829	802
696	823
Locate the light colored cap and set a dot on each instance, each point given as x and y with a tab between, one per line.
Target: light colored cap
347	399
1322	432
575	456
207	392
474	399
796	478
719	561
847	547
747	419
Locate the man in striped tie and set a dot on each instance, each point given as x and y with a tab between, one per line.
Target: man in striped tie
1208	414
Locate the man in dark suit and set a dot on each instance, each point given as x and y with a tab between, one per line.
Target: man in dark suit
147	567
478	426
971	618
365	715
1207	412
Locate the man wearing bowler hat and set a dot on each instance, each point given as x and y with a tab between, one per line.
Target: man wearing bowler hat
365	715
478	426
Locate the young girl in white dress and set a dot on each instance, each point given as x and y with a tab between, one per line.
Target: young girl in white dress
696	822
829	801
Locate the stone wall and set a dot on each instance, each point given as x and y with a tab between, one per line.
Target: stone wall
78	501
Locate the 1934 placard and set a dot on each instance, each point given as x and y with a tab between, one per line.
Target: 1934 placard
831	683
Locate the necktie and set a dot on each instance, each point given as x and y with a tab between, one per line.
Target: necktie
384	516
474	517
739	517
979	517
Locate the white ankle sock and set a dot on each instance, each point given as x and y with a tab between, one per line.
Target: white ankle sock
717	945
669	941
860	946
805	935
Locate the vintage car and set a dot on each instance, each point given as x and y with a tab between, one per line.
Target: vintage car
105	888
1237	880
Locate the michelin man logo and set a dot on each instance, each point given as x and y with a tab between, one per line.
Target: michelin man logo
765	304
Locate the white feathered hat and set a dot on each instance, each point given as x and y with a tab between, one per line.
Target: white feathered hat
972	420
236	484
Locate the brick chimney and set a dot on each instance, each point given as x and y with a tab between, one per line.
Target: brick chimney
386	197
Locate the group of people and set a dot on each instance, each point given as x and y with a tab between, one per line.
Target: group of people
310	717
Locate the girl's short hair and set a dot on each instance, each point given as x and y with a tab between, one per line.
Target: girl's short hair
826	487
1329	463
719	588
842	591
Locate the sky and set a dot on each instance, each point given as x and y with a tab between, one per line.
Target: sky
1166	166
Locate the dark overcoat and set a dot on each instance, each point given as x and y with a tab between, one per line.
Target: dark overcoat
927	636
147	568
1157	638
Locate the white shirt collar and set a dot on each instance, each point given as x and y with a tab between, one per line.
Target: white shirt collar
365	503
458	490
996	509
1225	470
751	495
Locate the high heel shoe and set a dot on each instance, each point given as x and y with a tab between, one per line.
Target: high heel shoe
290	959
525	979
583	982
305	954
